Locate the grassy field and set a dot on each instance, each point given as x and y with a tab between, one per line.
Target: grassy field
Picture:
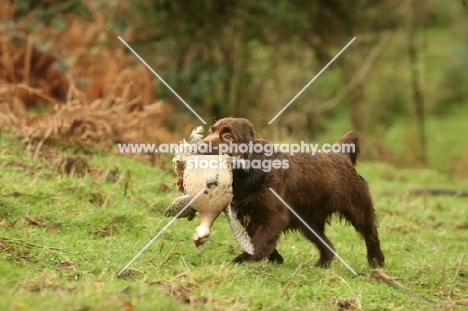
63	239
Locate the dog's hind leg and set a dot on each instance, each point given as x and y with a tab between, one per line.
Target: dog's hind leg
368	230
365	223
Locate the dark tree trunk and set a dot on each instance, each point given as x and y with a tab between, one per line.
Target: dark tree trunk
417	95
350	63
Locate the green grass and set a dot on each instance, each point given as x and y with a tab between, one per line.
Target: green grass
64	238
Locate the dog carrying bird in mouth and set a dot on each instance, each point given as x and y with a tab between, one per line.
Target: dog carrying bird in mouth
315	186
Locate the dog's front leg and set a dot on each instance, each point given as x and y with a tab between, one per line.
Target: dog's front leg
264	239
275	257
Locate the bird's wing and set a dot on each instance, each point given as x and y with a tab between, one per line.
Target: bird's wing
178	205
196	135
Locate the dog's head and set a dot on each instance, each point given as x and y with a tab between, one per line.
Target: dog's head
237	130
228	132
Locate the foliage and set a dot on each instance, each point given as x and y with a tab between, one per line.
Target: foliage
214	44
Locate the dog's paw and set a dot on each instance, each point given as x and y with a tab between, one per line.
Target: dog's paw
322	263
376	261
242	257
276	257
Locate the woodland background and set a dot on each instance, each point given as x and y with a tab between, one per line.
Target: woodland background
406	71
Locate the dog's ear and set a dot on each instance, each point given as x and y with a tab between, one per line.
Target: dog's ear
244	130
252	133
248	130
226	134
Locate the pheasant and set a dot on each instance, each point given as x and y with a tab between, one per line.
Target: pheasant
215	199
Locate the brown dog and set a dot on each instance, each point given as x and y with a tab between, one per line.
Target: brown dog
315	186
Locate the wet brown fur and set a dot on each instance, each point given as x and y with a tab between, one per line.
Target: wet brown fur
315	186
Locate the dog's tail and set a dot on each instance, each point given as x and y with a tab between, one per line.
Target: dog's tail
350	145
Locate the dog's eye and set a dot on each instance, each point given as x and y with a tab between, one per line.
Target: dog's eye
227	137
